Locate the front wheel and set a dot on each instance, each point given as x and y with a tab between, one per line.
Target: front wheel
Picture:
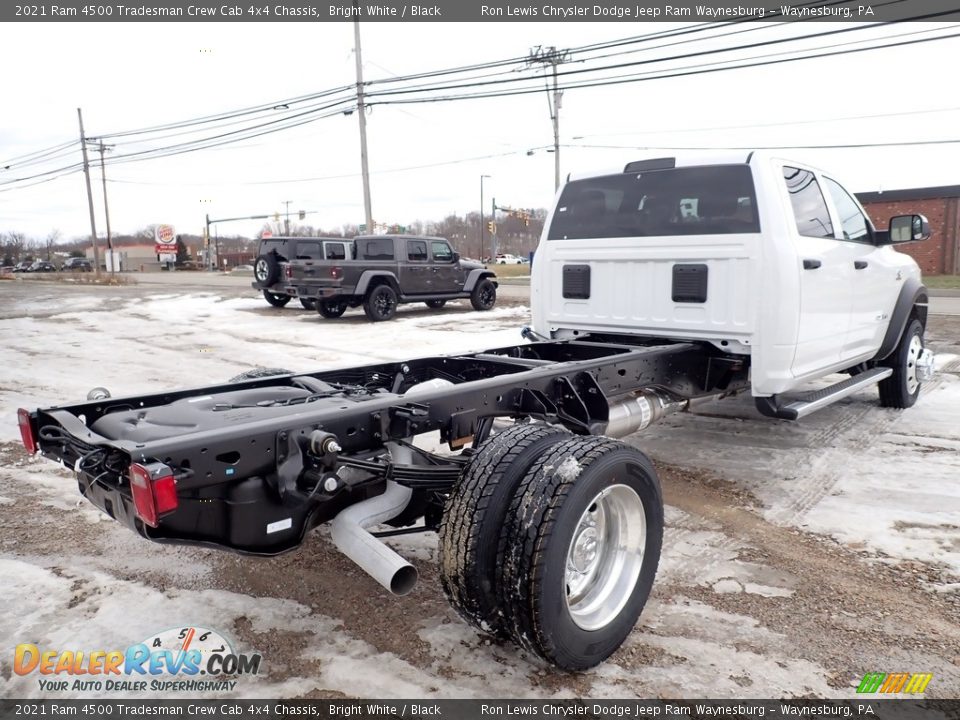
276	300
484	295
901	389
332	309
381	303
579	550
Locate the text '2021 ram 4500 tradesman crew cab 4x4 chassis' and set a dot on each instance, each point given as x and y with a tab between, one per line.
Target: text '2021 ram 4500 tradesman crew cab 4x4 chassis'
377	272
661	285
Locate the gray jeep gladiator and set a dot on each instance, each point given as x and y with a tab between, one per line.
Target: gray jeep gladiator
376	272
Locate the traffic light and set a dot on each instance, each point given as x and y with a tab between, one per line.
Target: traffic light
492	228
302	214
276	217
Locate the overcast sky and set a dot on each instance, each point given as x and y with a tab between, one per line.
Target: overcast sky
128	76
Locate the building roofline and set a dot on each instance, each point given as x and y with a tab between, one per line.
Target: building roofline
926	193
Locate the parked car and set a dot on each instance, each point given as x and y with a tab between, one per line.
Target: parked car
42	266
509	260
23	266
77	264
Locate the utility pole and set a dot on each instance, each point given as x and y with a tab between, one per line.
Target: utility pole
481	215
553	57
286	220
106	208
362	112
86	174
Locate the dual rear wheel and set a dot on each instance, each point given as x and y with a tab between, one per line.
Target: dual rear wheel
553	541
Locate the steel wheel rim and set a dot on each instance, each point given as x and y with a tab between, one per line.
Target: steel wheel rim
913	354
604	557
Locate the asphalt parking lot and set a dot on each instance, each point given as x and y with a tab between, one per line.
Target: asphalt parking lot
797	556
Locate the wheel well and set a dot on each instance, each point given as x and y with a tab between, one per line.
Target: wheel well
919	310
381	280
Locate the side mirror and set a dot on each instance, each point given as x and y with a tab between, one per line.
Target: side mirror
456	257
908	228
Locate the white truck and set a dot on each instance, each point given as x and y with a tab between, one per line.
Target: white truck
660	285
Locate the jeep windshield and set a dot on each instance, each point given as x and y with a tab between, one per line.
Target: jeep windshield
714	200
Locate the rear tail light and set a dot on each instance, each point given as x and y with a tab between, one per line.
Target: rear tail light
336	273
26	430
288	271
154	491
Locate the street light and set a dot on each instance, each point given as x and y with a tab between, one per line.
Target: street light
481	215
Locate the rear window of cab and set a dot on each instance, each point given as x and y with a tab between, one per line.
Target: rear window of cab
707	200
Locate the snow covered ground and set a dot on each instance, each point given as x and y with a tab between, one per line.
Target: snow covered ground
796	558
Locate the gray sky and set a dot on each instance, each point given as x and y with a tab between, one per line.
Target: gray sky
128	76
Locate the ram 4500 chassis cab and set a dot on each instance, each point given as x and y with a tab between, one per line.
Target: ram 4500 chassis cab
656	287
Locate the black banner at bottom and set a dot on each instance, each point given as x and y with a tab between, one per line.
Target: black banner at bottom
867	708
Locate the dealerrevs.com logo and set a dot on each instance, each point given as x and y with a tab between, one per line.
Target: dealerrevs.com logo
188	659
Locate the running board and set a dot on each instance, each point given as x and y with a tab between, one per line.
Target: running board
797	407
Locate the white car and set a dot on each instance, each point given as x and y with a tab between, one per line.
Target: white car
508	260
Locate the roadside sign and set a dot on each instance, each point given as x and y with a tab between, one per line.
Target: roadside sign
166	240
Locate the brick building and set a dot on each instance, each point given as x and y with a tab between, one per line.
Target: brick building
940	255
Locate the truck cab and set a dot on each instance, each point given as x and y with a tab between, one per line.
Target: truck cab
756	254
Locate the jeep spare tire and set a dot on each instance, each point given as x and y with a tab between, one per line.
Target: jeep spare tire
266	269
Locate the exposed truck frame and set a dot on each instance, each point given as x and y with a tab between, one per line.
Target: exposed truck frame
549	530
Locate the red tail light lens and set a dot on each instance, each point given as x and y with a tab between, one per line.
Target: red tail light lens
288	271
336	273
154	491
26	430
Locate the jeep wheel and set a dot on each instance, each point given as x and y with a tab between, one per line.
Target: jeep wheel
435	304
381	303
276	300
579	550
266	269
901	389
484	295
308	303
331	309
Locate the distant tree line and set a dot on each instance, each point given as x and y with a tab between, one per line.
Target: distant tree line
514	234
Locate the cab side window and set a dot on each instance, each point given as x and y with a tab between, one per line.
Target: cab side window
852	221
416	251
335	251
441	252
809	207
309	251
379	249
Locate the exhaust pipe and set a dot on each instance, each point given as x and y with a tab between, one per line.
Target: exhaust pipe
349	533
349	528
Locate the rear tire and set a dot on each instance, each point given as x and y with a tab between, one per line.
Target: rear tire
331	309
579	550
901	389
381	303
484	295
435	304
308	303
474	515
275	299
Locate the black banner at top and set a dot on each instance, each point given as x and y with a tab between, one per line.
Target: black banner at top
623	11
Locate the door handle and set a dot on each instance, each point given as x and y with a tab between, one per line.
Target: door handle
810	264
860	264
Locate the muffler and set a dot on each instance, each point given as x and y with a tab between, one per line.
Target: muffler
639	411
